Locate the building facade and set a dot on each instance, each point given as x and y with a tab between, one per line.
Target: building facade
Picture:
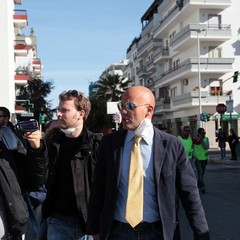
187	53
18	54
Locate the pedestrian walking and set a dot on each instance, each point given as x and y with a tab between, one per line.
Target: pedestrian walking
140	172
187	142
233	141
222	138
72	156
201	146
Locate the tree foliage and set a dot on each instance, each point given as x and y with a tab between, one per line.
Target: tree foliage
108	89
98	119
111	87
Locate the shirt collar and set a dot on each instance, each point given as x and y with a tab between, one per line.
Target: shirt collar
147	135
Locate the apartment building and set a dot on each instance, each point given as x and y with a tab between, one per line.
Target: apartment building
186	54
18	52
115	69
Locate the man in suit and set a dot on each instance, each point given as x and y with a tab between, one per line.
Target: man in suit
167	175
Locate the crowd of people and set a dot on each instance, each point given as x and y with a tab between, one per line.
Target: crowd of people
76	184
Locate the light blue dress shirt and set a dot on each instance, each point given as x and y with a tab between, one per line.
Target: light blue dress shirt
150	207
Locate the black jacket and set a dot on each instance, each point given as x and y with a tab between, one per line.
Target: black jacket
21	170
82	165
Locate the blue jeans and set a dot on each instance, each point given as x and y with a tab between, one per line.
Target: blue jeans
201	167
62	230
223	153
36	228
124	231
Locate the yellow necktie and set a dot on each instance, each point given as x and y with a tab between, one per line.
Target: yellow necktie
134	208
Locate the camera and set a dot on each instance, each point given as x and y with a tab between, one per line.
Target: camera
27	126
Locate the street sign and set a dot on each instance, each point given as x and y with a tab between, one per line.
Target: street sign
117	118
221	108
229	104
27	105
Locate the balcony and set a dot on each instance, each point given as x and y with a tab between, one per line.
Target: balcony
36	63
173	16
163	105
21	79
20	49
150	66
144	48
190	99
18	2
161	55
20	18
190	68
142	72
188	35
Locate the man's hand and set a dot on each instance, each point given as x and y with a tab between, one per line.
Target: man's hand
33	138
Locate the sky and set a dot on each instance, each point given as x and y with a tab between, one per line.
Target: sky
78	39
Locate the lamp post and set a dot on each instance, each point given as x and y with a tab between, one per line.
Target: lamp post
199	77
198	30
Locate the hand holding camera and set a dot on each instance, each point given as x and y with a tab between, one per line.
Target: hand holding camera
27	126
30	132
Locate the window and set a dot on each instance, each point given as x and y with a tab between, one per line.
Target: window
215	87
173	91
214	52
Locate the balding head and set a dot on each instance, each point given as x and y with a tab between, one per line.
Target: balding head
144	102
141	94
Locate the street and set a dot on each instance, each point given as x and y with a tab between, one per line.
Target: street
221	200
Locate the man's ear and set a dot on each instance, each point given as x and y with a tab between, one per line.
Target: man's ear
81	114
149	111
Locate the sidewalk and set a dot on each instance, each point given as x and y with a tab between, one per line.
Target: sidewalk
215	159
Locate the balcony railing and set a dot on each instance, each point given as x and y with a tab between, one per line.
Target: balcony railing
192	99
208	65
20	18
21	77
151	43
20	48
169	19
217	32
161	55
163	104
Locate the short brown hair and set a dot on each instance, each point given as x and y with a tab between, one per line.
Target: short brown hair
80	101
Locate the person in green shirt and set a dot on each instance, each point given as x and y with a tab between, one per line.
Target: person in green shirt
187	142
201	157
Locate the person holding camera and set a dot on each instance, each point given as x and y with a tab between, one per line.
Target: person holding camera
72	156
23	164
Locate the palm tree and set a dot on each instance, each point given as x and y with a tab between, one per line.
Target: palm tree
111	87
108	88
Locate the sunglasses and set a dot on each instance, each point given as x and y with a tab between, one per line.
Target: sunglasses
129	106
2	116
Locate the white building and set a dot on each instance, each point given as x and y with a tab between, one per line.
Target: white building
185	46
17	52
115	69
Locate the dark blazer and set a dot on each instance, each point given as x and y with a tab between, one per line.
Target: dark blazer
173	175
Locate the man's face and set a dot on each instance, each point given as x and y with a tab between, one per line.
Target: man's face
67	115
186	131
131	118
3	119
